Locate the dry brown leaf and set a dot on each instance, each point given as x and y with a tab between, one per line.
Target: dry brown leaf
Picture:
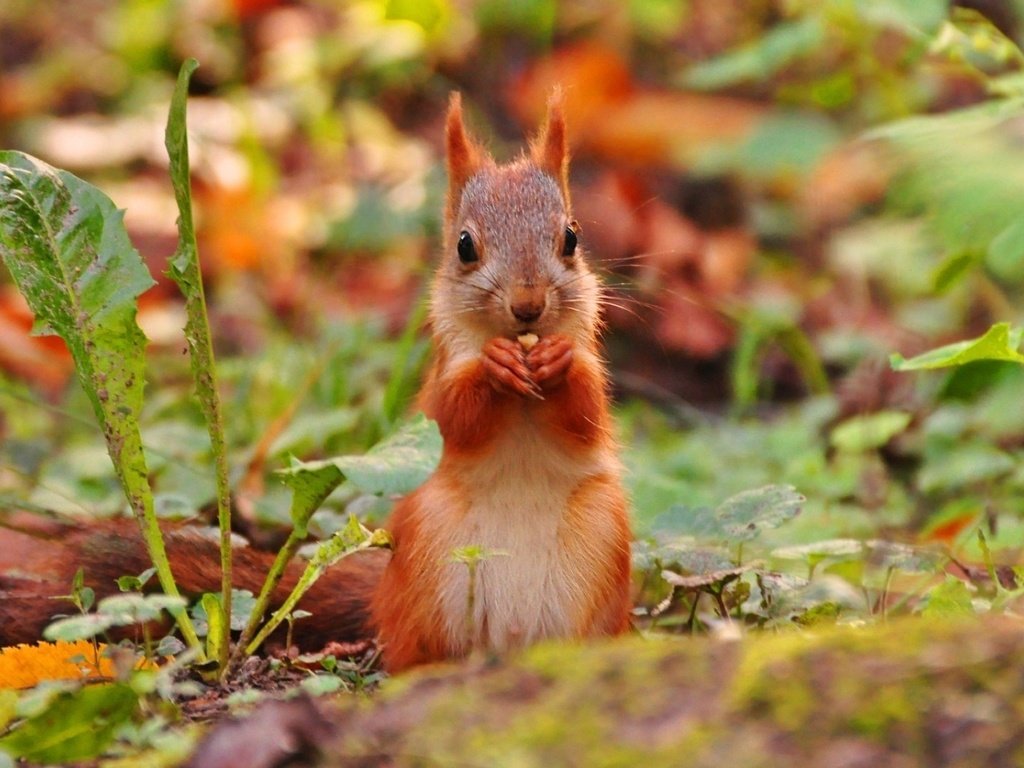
614	118
846	179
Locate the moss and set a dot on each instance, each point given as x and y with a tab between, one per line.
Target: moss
943	693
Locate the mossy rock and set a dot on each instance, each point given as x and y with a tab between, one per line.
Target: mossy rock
913	692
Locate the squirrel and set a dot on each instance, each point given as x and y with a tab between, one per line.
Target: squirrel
529	473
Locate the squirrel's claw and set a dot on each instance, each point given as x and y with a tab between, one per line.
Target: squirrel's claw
550	360
506	366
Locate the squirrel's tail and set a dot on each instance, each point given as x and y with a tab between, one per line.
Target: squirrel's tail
38	562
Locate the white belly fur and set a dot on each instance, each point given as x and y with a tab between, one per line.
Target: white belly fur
516	503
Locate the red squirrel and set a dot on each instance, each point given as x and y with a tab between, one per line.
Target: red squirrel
529	471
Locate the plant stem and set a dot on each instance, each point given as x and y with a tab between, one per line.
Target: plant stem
274	576
184	269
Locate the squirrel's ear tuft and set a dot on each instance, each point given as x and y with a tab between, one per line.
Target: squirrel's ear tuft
549	149
464	156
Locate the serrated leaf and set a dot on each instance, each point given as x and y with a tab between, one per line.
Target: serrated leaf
744	515
999	342
183	268
74	727
681	520
739	518
868	432
696	560
65	244
345	541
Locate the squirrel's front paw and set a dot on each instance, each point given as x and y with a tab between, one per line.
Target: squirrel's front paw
507	370
549	360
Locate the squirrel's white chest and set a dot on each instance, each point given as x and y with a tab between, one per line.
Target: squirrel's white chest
525	588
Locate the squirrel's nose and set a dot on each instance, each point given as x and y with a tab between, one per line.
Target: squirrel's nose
527	304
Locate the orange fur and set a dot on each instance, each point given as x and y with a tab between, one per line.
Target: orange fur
530	469
549	149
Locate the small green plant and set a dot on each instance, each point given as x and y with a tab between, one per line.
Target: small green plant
66	247
696	553
184	269
471	556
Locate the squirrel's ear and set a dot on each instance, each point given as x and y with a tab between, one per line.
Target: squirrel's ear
549	149
464	155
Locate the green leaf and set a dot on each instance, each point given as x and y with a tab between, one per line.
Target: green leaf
183	268
311	482
739	518
757	62
998	343
682	520
398	464
983	206
744	515
81	627
354	537
137	609
8	706
75	726
952	271
1005	255
971	463
949	599
65	244
785	144
819	550
903	557
868	432
216	621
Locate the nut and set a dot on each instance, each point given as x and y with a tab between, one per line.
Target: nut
527	340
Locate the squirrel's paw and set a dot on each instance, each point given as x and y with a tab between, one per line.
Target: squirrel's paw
506	368
550	360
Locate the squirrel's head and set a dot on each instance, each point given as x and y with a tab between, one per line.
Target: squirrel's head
512	262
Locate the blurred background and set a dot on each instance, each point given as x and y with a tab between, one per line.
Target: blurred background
778	193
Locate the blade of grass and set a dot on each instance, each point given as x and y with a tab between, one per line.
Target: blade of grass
184	269
409	358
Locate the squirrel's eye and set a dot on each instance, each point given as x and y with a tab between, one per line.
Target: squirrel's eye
570	242
466	248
